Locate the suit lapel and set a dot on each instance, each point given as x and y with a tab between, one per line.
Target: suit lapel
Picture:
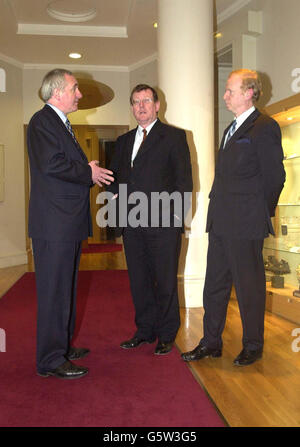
224	135
154	136
65	130
247	124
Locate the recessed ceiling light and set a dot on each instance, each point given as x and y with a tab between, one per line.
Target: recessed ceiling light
75	55
155	25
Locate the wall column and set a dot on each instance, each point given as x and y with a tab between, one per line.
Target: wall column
186	86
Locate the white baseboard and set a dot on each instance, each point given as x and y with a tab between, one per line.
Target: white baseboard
190	291
13	259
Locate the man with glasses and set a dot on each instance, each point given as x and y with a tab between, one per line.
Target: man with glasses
150	160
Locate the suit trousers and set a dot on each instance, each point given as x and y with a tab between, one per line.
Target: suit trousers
56	269
152	258
239	262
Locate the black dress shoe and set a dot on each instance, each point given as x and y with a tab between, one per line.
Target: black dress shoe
246	357
200	352
163	348
66	371
134	342
77	353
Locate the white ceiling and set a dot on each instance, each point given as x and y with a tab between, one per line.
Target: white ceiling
120	32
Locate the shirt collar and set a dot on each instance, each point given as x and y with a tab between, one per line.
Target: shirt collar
241	118
61	114
148	128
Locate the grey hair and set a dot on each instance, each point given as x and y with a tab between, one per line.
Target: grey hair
55	79
140	87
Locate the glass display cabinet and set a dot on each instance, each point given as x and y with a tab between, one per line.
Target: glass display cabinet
282	252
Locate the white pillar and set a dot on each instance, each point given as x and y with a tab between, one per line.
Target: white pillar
2	80
186	82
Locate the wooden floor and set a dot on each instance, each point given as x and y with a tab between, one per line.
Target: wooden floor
265	394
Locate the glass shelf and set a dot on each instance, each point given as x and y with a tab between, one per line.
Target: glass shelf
293	250
291	157
284	247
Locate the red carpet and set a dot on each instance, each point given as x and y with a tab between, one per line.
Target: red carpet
102	248
123	388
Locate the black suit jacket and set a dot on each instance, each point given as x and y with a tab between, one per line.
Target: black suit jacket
162	164
59	208
248	180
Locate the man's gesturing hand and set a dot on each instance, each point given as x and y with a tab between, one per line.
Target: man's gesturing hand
100	175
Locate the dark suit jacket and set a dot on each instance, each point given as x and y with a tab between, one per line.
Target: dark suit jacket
59	208
248	180
162	164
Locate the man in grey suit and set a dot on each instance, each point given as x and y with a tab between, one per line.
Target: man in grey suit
248	180
59	219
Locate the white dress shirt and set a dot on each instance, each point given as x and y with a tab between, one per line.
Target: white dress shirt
139	138
239	121
241	118
61	114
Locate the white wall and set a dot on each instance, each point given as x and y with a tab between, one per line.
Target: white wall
12	209
277	48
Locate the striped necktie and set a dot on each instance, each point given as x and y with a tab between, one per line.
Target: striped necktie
230	131
69	127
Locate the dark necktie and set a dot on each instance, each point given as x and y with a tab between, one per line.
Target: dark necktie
69	127
144	138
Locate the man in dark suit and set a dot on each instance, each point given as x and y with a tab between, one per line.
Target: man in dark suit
59	219
148	165
248	180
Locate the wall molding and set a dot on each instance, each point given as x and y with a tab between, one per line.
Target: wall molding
72	30
13	259
143	62
73	67
11	61
231	10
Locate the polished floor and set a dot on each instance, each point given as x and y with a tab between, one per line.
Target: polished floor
265	394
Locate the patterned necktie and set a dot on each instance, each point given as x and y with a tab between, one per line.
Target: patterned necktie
69	127
144	137
231	131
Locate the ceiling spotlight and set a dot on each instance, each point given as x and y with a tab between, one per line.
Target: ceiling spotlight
75	55
155	25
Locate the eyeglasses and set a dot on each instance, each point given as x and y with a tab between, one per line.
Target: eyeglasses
137	102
